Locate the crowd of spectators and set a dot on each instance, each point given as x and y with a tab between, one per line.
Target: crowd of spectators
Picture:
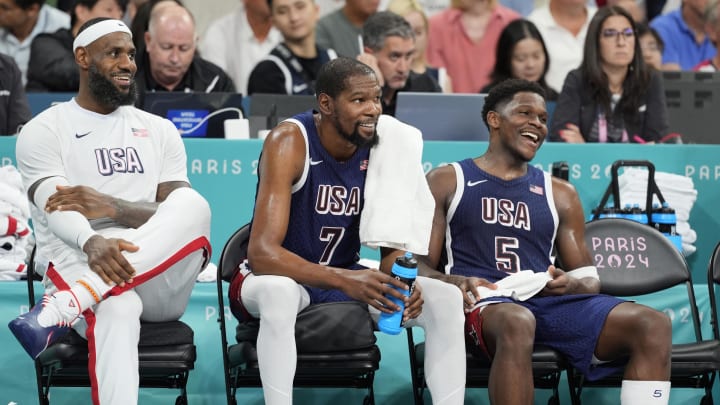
461	46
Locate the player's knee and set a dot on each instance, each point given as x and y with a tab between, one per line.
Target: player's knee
517	327
125	307
655	330
277	297
192	203
442	297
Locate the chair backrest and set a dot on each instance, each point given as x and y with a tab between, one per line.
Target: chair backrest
632	258
234	253
713	278
635	259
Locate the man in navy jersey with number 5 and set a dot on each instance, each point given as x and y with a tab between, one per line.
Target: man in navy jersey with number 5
304	240
500	220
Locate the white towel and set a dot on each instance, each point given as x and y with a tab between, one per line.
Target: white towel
399	206
519	286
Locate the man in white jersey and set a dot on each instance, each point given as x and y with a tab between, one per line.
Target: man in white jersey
121	232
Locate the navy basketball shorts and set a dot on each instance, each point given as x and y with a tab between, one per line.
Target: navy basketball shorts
570	324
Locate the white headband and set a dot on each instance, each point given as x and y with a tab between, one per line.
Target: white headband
95	31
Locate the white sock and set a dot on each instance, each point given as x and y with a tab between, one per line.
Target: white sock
645	392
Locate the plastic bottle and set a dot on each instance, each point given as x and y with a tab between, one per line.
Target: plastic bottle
405	270
665	221
637	214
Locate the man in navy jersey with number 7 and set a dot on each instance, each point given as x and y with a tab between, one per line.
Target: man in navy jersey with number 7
304	239
500	220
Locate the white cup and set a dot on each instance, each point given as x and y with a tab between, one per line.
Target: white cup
237	128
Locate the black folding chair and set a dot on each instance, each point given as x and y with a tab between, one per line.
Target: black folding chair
166	354
634	260
346	368
548	366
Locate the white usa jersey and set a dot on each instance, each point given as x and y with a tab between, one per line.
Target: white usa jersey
126	154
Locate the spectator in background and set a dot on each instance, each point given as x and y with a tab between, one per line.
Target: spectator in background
683	32
635	8
712	28
389	50
651	45
414	14
52	64
341	30
139	24
20	22
564	24
14	108
292	67
238	41
462	39
613	96
170	62
521	54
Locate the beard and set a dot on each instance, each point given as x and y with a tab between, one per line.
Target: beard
106	92
355	138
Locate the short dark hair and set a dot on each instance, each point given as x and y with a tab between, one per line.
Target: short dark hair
25	4
89	4
334	75
385	24
505	91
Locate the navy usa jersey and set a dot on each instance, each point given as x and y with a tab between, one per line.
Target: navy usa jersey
497	227
326	203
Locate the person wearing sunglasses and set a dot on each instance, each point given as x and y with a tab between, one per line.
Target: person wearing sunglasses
613	96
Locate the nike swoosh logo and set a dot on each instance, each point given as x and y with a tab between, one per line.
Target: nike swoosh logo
475	183
315	162
299	88
82	135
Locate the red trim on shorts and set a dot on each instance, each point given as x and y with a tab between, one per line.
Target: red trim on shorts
56	278
235	294
473	334
20	267
12	226
92	358
58	281
197	244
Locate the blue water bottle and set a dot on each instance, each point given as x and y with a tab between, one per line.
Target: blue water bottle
665	221
405	270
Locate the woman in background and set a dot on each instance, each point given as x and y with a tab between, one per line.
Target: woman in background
652	46
414	14
613	96
521	54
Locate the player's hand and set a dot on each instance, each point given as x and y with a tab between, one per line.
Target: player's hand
571	134
414	303
561	283
370	60
85	200
469	286
370	286
106	259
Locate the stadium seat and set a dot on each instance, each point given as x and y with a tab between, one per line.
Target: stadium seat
166	354
634	260
315	367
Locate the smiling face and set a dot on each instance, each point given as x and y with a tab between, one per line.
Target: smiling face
617	42
111	70
521	124
356	110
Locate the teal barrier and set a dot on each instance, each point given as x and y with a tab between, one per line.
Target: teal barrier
206	384
225	172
